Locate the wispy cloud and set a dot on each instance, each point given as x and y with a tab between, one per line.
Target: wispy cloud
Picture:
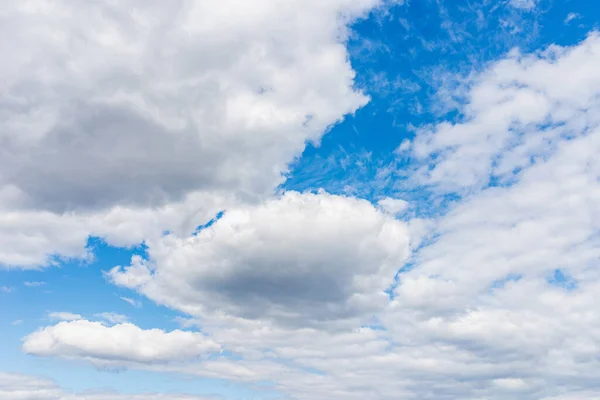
64	316
133	302
33	283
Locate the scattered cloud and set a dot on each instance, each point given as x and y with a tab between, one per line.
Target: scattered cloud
571	16
121	344
7	289
524	4
63	316
113	318
133	302
33	283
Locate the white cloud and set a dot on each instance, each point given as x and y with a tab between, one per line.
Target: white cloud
571	16
133	302
25	387
122	120
121	344
505	293
508	105
7	289
299	259
524	4
393	206
33	284
64	316
113	318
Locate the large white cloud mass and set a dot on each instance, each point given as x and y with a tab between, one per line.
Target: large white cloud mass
301	258
114	113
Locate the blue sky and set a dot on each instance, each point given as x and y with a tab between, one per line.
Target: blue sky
309	200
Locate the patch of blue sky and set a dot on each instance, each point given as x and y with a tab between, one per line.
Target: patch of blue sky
501	283
559	279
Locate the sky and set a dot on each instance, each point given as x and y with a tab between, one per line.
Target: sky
300	199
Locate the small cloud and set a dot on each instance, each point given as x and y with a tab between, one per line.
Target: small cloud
112	318
135	303
392	206
7	289
17	322
33	284
523	4
404	147
64	316
571	17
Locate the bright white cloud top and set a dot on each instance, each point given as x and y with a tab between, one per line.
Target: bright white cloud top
111	109
168	133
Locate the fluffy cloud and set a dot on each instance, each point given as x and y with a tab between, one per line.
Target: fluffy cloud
518	111
123	111
24	387
123	343
301	258
507	288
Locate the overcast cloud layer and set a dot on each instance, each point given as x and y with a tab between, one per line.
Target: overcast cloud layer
171	126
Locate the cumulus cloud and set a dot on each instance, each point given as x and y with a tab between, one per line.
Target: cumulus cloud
508	283
122	343
518	111
126	110
300	258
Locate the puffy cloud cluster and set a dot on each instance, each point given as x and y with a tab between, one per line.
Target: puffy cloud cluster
299	259
125	342
518	112
122	120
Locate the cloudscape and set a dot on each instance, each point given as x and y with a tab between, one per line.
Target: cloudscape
299	200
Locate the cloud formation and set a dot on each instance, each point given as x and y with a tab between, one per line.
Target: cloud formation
299	259
133	111
124	342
